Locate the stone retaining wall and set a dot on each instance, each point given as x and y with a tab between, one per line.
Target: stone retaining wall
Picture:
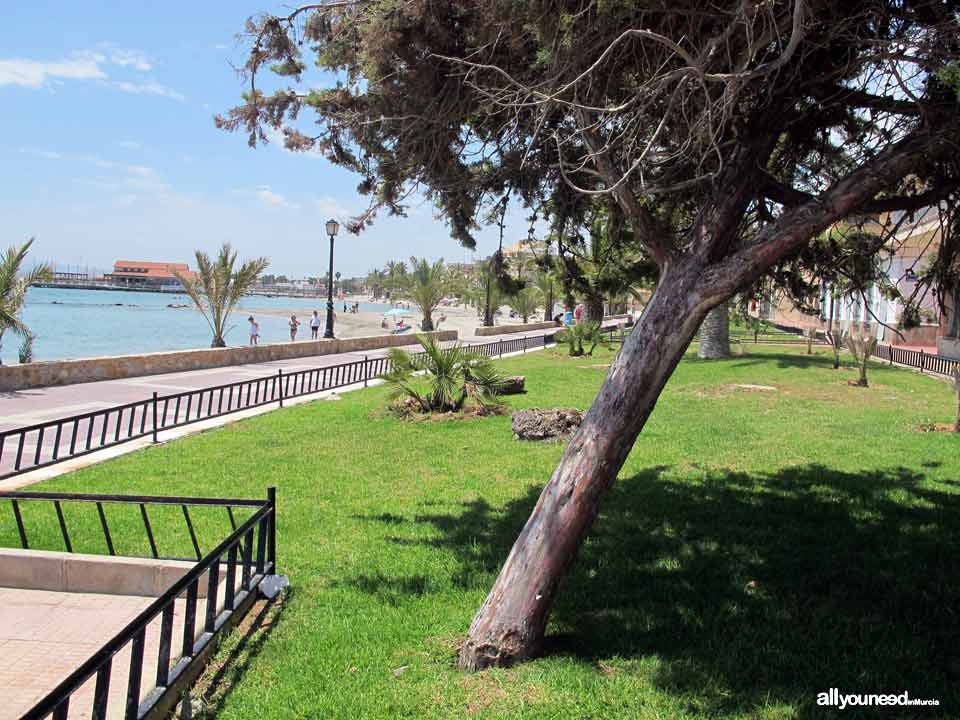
507	329
68	372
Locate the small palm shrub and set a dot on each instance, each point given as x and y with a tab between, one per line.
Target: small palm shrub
443	380
861	348
582	338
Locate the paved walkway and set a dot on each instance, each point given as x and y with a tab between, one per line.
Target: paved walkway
30	407
45	636
26	407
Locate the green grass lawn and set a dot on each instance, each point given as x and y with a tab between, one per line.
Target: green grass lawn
760	547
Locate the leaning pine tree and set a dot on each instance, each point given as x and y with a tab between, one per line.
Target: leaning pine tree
729	135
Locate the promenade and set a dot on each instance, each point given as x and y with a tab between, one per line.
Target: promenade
30	407
26	407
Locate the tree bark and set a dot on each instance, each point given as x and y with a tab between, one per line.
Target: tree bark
510	625
548	307
715	334
594	309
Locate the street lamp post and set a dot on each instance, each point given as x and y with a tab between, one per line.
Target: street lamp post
332	227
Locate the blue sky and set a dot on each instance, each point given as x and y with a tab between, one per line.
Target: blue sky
108	148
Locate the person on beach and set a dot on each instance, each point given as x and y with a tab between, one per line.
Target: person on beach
254	331
314	325
294	326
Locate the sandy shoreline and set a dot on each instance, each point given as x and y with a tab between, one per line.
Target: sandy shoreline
365	324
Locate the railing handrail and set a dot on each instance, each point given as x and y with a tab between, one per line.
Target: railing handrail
72	418
52	701
342	373
132	499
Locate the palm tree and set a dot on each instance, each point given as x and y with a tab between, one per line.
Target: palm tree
425	286
376	280
525	302
546	283
580	335
14	286
450	376
217	287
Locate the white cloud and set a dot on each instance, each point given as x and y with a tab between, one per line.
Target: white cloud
130	145
220	46
149	88
36	73
131	58
84	65
269	197
47	154
331	208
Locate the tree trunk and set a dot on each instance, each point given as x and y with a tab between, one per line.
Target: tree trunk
511	623
548	307
594	309
715	334
487	310
427	323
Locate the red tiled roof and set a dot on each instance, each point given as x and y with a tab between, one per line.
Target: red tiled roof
154	270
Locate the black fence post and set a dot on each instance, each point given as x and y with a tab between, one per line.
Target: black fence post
154	416
921	359
890	353
280	384
272	536
500	348
366	370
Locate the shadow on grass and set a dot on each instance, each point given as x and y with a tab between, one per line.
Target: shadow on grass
244	644
753	590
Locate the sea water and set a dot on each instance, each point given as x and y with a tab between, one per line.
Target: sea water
92	323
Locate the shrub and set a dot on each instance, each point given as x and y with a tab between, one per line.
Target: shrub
581	335
442	380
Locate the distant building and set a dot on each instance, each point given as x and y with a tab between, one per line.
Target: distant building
914	247
148	275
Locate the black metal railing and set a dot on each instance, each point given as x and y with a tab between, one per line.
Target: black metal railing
211	595
53	441
923	361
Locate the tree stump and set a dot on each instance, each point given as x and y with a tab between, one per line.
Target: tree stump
550	424
513	385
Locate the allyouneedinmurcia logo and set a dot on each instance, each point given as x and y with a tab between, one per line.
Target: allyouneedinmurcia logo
834	698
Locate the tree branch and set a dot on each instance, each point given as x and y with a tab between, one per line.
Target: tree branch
795	227
790	197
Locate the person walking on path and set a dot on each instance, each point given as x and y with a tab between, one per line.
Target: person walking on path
294	326
314	325
254	331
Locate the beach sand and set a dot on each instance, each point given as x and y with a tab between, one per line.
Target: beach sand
365	324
